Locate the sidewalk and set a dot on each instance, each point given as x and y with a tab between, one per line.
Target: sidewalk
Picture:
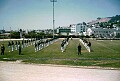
16	71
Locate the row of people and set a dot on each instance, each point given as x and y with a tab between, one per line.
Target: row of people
64	44
3	49
18	45
14	45
86	43
42	43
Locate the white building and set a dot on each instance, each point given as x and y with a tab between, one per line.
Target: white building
73	28
81	28
103	32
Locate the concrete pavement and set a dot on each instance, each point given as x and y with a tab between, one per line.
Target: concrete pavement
14	71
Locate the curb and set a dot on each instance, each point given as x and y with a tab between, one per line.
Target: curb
69	66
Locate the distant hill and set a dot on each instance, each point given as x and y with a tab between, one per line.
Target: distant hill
107	19
100	20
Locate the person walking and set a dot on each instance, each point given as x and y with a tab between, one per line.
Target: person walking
79	49
2	49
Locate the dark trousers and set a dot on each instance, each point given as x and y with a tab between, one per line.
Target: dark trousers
2	52
79	52
19	52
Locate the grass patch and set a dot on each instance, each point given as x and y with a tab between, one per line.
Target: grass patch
105	54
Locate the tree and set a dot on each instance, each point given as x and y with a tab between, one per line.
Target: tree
32	34
101	24
98	18
15	34
84	23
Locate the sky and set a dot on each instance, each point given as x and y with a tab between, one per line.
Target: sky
38	14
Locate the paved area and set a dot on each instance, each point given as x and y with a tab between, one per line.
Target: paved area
15	71
11	39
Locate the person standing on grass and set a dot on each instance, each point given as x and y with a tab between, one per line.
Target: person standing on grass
79	49
19	49
35	47
9	46
2	49
67	40
16	47
62	46
22	44
12	46
89	45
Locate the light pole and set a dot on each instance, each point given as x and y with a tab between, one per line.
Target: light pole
53	16
3	34
10	33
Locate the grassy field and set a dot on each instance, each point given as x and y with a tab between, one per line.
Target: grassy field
104	53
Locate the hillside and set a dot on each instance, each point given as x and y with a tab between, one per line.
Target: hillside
107	19
115	18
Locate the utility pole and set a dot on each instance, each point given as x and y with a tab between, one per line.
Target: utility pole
53	15
3	34
10	33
